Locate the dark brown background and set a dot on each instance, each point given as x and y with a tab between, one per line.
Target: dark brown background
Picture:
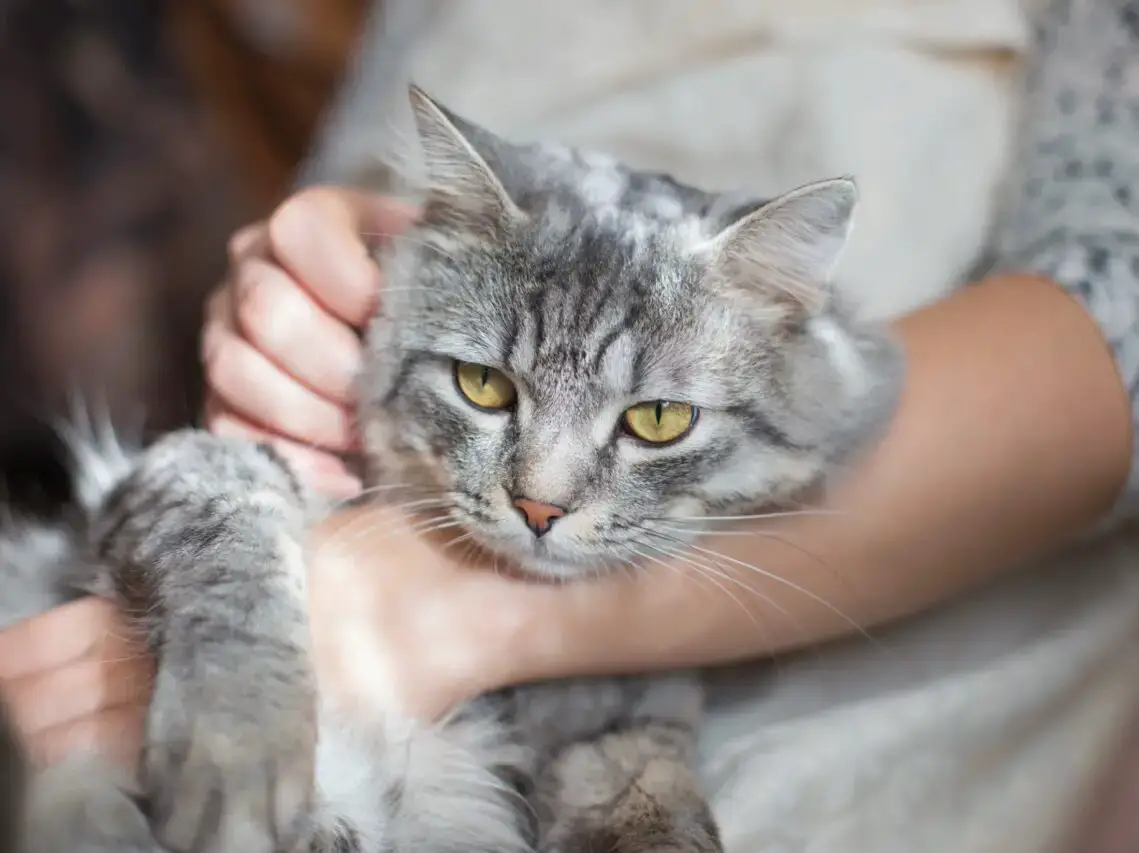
135	136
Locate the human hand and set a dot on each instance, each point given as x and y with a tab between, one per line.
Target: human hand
281	346
75	680
401	618
396	619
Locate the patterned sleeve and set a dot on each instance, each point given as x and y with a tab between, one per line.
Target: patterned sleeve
1074	210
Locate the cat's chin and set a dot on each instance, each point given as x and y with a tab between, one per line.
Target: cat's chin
544	568
539	562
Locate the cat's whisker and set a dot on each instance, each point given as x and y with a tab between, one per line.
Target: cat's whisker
424	526
764	534
422	503
346	535
706	567
358	498
699	575
387	487
628	566
413	506
703	572
368	524
701	566
813	596
709	531
443	524
466	537
762	516
469	551
785	540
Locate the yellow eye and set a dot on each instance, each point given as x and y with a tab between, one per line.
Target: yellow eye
484	386
659	421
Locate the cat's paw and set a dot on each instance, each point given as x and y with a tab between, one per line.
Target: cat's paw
638	822
231	771
619	795
82	805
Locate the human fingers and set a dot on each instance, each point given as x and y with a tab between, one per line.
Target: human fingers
252	386
321	235
63	668
284	323
115	734
79	689
58	636
325	472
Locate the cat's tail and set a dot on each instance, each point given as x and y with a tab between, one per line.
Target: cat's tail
41	553
100	455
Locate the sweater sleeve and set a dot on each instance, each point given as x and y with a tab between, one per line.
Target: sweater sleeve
1073	212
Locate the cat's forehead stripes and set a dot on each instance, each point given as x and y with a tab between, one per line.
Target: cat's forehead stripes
586	298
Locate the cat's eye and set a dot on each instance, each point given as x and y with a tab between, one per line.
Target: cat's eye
659	421
484	386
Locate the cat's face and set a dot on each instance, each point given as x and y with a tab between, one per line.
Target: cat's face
574	358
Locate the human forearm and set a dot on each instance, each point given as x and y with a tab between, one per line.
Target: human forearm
970	480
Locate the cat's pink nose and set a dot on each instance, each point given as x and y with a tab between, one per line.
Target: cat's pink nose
540	517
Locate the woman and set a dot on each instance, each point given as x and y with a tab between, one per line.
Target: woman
1014	437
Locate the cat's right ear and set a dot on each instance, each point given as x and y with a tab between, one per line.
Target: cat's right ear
463	193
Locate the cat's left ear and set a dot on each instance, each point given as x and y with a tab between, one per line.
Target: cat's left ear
786	251
463	193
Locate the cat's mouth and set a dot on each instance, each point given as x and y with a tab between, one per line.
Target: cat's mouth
557	556
543	559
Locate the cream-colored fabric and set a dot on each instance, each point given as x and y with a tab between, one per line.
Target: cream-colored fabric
979	728
912	98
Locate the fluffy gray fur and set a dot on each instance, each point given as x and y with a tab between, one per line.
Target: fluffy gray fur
593	288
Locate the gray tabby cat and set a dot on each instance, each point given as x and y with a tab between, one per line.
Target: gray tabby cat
568	354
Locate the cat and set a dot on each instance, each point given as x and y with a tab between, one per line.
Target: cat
568	354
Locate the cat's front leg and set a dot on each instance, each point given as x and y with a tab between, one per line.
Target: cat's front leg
205	541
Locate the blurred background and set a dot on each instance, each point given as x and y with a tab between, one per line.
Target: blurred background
134	137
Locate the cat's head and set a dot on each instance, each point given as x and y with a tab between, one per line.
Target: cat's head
584	359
